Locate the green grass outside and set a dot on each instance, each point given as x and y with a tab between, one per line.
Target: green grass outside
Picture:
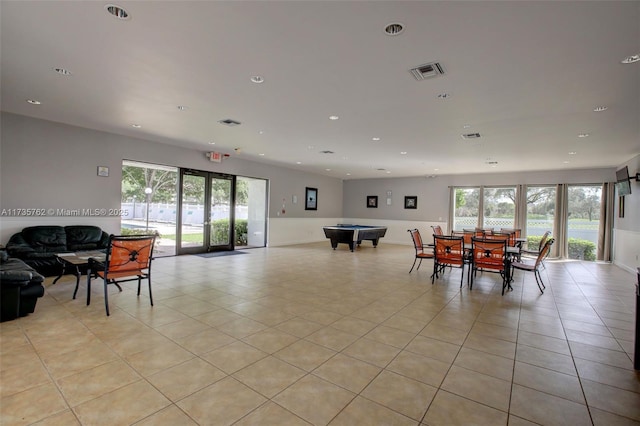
188	238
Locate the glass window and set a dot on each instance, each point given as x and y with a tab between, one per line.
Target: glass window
499	206
467	208
541	208
149	203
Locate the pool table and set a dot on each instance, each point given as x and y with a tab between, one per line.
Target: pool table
353	234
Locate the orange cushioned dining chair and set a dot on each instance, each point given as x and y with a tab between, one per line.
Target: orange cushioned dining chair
535	267
536	251
423	251
437	230
490	256
449	251
128	259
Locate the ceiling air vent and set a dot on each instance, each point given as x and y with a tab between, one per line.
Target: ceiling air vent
471	136
229	122
425	71
327	152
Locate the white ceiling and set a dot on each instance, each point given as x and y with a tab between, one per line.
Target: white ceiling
525	75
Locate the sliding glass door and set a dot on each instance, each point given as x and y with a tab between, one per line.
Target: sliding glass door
583	221
541	207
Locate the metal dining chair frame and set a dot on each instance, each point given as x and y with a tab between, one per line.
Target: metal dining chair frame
420	247
448	251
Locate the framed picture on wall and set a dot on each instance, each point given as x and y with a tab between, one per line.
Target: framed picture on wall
311	199
411	202
103	171
372	201
621	206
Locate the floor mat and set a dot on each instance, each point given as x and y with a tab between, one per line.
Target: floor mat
220	253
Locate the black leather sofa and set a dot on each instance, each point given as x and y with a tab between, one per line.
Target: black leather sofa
37	245
20	288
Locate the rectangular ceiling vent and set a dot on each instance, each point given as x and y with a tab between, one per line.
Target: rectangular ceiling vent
422	72
471	136
229	122
327	152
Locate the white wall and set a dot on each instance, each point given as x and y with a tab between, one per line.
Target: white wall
50	165
626	238
433	203
397	230
433	193
288	231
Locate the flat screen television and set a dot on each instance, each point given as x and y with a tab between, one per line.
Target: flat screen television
623	184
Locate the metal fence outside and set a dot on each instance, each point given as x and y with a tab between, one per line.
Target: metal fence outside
580	229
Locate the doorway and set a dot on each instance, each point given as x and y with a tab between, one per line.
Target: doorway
206	214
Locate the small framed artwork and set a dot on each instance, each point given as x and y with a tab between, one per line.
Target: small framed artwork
411	202
103	171
311	199
621	206
372	201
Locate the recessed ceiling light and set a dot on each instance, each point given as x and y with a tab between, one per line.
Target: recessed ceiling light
565	162
261	132
348	174
212	143
435	170
375	139
310	147
261	155
466	126
257	79
229	122
62	71
403	152
394	29
333	117
600	108
388	171
572	152
583	135
182	107
117	11
471	136
444	96
298	162
328	170
631	59
34	102
137	126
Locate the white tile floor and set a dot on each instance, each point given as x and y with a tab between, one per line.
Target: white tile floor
306	335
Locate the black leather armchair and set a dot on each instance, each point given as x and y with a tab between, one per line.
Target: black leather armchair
20	288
